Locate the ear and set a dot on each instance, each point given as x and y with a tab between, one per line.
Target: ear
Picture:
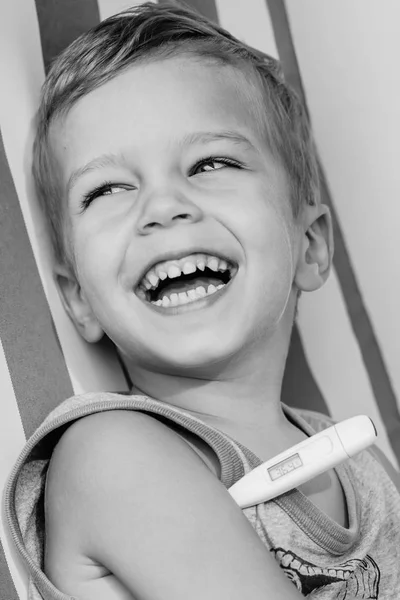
76	304
315	248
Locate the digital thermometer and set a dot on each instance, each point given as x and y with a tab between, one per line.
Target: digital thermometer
305	460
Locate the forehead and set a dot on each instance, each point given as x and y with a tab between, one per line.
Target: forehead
154	105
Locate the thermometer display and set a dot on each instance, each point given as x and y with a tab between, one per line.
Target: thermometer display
285	466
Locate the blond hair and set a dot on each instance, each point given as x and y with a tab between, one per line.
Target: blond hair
153	31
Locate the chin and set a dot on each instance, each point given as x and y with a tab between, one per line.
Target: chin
209	358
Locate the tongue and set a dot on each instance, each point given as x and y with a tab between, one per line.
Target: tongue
177	287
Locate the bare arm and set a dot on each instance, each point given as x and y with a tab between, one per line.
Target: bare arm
127	494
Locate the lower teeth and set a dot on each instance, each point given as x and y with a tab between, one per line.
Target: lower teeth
187	297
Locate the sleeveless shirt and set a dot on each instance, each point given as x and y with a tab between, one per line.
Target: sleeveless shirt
322	558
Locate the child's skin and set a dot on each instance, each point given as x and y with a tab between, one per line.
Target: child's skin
151	510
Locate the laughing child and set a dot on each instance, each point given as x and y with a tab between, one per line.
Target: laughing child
178	176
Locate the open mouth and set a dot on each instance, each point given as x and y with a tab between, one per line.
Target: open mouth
177	282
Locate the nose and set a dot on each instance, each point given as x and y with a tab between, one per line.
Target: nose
166	209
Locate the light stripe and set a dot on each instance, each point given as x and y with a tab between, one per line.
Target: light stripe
335	358
12	440
250	22
360	144
348	131
107	8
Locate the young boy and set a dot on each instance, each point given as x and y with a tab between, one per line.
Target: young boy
178	176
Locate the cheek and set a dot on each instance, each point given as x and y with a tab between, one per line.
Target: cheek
95	242
277	263
271	247
265	231
95	263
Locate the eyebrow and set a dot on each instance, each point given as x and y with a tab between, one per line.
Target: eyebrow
106	160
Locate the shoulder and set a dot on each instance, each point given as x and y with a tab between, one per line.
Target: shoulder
107	423
102	454
113	462
117	480
129	497
100	444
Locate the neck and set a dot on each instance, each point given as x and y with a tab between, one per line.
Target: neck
243	401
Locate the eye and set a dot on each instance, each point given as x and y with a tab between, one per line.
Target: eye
105	189
214	163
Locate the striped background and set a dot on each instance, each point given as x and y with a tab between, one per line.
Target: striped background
344	354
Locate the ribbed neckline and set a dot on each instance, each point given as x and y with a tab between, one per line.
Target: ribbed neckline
323	530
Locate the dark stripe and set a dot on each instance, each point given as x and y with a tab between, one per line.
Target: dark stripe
34	358
299	388
205	7
7	588
61	22
284	43
361	323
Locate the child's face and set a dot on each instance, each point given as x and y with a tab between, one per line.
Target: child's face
158	204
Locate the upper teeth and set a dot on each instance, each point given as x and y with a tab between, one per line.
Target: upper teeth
186	265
